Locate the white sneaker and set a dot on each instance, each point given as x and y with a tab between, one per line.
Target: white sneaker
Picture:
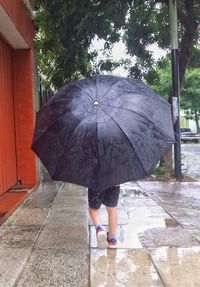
101	238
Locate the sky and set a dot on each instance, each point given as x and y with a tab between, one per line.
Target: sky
119	52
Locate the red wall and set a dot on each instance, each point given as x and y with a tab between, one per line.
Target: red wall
24	114
22	85
21	18
8	174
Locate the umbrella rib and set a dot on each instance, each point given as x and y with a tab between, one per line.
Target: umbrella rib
121	79
117	82
153	93
141	116
120	95
127	139
83	91
97	142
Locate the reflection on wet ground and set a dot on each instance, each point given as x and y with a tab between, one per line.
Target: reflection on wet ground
122	267
152	238
180	200
178	266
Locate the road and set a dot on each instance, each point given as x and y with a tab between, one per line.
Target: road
191	159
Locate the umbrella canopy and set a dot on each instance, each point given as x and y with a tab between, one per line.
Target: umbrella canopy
102	131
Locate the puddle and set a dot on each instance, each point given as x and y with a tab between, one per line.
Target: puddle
132	190
146	229
178	266
124	268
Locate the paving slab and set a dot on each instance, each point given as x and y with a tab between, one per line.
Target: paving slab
170	236
67	201
132	202
44	196
180	193
122	268
178	267
18	236
150	227
57	268
149	186
67	223
195	233
70	189
180	200
67	232
45	262
176	199
12	261
45	242
131	185
61	254
25	216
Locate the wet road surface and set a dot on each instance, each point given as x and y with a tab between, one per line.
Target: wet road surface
191	159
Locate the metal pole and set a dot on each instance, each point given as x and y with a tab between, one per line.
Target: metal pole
175	86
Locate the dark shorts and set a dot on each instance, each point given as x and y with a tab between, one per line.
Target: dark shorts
108	197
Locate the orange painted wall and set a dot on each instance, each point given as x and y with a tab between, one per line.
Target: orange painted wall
23	88
21	18
8	176
22	77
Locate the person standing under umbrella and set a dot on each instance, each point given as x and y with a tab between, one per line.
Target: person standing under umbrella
109	198
96	124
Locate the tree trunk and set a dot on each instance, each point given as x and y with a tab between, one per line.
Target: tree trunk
189	23
196	118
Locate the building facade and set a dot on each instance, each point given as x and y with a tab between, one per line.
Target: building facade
17	112
185	123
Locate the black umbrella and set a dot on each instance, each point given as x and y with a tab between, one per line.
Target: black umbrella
103	131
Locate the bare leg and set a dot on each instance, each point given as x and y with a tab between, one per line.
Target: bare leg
112	219
94	213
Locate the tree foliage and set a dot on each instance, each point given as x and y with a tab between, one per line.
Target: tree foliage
66	30
191	95
160	80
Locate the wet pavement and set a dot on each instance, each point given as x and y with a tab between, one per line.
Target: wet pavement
50	241
191	159
158	239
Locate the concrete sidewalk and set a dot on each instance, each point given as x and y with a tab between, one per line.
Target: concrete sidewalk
49	241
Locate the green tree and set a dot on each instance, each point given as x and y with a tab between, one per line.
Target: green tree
191	95
149	24
160	80
67	28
